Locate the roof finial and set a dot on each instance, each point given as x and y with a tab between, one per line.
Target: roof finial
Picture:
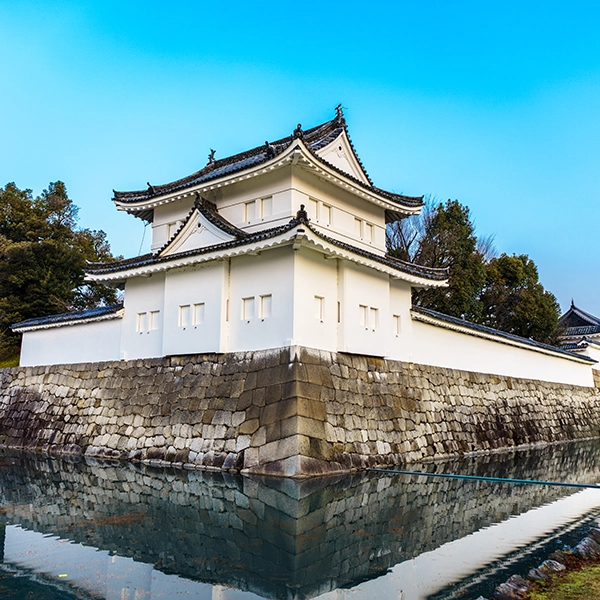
572	303
302	215
298	133
211	157
339	114
151	189
269	149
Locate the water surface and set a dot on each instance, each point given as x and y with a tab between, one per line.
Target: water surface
84	529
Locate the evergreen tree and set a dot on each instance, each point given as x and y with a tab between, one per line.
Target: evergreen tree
42	258
515	301
500	292
449	241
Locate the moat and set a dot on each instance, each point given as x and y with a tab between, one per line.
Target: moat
117	531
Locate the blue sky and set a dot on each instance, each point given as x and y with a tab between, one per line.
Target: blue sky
494	104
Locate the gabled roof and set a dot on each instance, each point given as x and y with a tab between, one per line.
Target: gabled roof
422	274
209	211
576	322
440	319
312	139
100	313
575	317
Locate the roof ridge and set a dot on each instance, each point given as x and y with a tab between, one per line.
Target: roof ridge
313	139
284	142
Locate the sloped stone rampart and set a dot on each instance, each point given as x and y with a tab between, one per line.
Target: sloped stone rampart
290	411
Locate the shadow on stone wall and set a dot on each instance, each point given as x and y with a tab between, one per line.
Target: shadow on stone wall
278	538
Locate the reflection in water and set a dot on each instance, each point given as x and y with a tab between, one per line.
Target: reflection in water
102	530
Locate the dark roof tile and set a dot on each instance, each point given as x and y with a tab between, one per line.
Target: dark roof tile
314	139
90	313
150	259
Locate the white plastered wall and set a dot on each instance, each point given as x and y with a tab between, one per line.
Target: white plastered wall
84	342
142	336
346	208
316	300
167	219
400	320
432	345
265	279
364	296
194	309
257	203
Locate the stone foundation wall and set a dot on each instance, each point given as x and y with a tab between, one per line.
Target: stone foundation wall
291	411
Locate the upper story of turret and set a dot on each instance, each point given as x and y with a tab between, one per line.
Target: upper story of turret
264	188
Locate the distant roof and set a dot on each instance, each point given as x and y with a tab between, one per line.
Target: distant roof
576	322
90	314
313	139
575	317
495	332
249	238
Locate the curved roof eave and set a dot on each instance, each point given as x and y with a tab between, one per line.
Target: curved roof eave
285	235
308	159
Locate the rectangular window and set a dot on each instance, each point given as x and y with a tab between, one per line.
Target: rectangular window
198	314
154	320
325	216
363	312
140	322
374	318
396	324
264	307
266	207
311	209
368	232
248	308
184	315
339	306
358	228
249	211
319	307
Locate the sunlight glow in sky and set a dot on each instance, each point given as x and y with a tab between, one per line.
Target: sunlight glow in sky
494	104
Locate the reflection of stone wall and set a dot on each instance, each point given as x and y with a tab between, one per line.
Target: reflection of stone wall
291	411
276	537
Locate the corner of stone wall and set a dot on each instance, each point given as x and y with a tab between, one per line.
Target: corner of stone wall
596	374
291	440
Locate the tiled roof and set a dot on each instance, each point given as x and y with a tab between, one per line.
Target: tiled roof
575	317
314	139
150	259
582	330
81	315
491	331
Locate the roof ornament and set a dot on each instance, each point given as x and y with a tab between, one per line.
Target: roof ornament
298	133
151	190
211	157
302	215
339	115
269	149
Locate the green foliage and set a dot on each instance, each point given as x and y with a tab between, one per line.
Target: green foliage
501	292
574	585
449	241
42	259
515	301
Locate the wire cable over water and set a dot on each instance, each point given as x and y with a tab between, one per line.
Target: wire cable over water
484	478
